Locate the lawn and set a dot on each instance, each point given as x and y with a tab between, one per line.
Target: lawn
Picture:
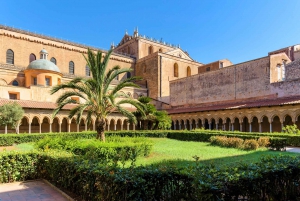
181	153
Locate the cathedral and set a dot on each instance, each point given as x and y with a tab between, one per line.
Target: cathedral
261	95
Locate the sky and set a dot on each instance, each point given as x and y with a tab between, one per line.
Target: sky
209	30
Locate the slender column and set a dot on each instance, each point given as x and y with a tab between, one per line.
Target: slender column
241	127
250	127
29	129
179	126
50	128
224	127
77	127
197	125
281	127
229	126
40	125
121	126
94	126
108	127
232	127
115	126
69	127
5	129
191	126
184	126
85	126
260	130
217	126
128	126
209	126
271	127
59	127
133	125
174	127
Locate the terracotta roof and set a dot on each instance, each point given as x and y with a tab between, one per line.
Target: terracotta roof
238	105
41	105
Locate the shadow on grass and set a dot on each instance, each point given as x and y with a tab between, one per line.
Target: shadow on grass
252	157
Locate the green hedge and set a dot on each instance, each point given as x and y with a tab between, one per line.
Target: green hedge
115	149
10	139
274	178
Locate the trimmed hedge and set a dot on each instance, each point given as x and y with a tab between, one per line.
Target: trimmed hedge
10	139
274	178
115	149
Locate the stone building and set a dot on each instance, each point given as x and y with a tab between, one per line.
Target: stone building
257	95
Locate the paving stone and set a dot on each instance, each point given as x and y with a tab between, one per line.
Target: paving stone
30	191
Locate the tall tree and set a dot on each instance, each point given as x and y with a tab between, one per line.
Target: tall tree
98	93
10	115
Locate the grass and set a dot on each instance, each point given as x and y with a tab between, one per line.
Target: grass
180	153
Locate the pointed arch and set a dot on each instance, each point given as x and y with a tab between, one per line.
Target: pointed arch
32	57
10	57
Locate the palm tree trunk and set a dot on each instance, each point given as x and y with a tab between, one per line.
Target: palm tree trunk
100	127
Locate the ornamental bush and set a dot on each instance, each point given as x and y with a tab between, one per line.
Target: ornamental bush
274	178
250	145
115	149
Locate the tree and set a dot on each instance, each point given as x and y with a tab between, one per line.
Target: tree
151	118
97	92
10	115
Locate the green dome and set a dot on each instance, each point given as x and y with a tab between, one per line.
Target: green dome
43	64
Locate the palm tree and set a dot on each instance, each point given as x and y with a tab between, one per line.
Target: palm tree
97	92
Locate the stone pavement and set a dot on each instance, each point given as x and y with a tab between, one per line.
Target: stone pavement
293	149
37	190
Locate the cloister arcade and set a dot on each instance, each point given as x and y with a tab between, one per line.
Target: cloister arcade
270	119
43	123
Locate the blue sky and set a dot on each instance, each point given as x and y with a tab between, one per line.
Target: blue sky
238	30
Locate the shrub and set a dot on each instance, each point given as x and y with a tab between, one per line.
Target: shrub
250	145
92	181
115	149
263	141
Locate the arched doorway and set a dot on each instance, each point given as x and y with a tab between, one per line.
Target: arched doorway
227	124
55	125
288	120
265	125
245	125
206	124
188	124
119	125
193	124
81	125
24	127
112	125
254	125
213	124
236	126
35	125
220	124
276	125
73	126
46	125
64	125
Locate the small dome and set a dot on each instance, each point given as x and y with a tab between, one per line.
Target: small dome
43	64
44	51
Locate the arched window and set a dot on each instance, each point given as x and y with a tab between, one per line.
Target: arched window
32	58
71	67
53	60
15	83
10	57
87	71
160	50
175	70
188	71
150	50
128	75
